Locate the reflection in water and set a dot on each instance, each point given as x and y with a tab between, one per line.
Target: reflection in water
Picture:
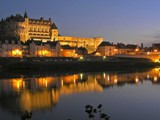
38	100
18	95
110	79
42	93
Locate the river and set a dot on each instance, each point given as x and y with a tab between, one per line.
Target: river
123	95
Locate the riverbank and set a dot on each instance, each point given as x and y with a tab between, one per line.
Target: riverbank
65	65
85	66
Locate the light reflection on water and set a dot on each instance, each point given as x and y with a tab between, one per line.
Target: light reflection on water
62	97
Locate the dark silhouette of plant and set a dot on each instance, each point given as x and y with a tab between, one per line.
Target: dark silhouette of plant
26	115
93	112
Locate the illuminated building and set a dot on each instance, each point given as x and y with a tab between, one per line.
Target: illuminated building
10	48
81	51
68	51
26	28
156	47
126	49
41	49
106	49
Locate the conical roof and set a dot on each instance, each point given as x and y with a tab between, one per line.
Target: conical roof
25	15
54	26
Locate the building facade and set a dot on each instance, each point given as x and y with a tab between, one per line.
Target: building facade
26	28
10	48
41	49
106	49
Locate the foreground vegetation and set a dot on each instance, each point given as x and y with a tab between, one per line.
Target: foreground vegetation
79	66
73	65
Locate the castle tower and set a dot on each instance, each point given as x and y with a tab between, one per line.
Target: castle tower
25	15
54	32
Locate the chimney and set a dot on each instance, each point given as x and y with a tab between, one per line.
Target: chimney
141	45
41	18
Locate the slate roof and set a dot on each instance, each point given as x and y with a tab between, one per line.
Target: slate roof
82	48
52	43
131	46
10	40
16	18
53	26
67	47
34	41
156	45
106	44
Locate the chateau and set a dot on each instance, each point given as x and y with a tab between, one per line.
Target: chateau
25	28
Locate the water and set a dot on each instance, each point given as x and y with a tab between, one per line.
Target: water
124	95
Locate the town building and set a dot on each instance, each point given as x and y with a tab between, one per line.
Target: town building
81	51
41	49
126	49
26	28
156	47
106	49
68	51
10	48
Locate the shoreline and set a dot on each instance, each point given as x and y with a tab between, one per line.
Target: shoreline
86	66
38	66
12	68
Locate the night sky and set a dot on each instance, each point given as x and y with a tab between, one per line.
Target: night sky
127	21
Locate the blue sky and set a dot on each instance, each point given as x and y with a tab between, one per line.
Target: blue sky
127	21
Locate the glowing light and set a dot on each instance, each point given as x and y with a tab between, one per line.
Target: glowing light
108	77
17	52
81	58
156	60
115	80
104	57
115	50
23	84
104	75
17	83
155	50
137	49
97	54
74	81
148	53
155	78
46	82
156	69
81	76
44	53
136	80
61	82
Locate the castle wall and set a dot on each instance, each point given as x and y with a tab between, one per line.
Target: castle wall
89	43
40	29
